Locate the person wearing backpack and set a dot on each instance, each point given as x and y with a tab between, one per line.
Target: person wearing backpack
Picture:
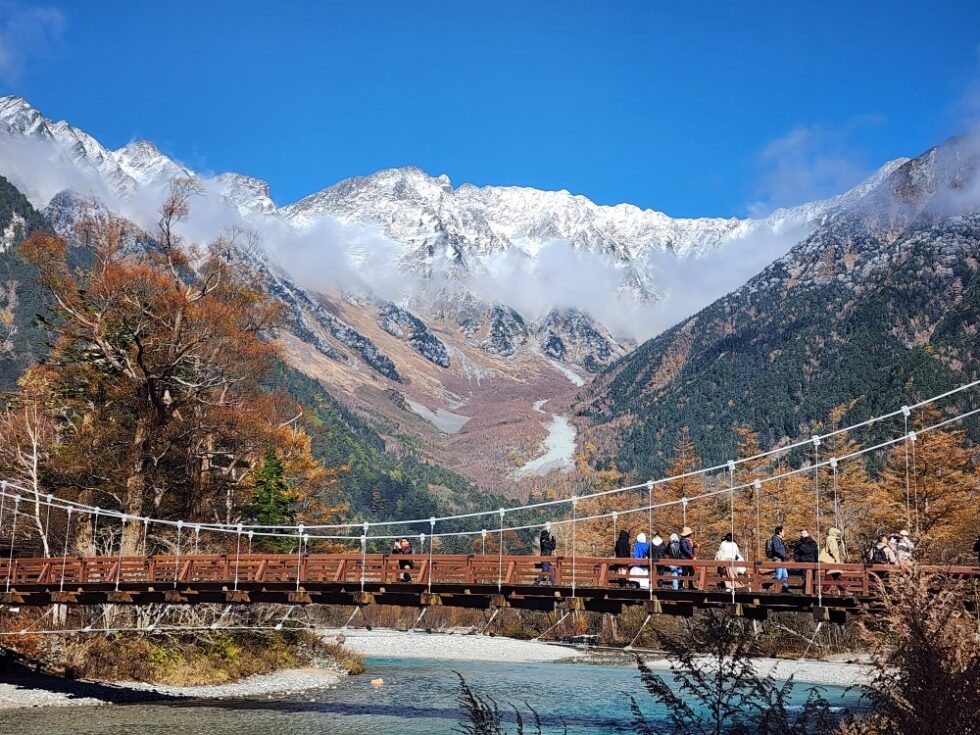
658	548
548	544
776	551
881	553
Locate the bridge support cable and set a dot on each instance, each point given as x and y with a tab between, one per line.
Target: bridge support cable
64	555
483	542
560	621
915	484
838	519
238	553
363	555
13	540
490	621
146	532
180	528
3	502
500	552
732	571
906	412
574	542
418	619
629	646
757	492
816	490
95	532
432	536
304	539
119	560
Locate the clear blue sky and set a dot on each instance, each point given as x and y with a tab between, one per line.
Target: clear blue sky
691	108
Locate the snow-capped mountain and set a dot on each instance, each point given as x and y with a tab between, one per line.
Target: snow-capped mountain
450	238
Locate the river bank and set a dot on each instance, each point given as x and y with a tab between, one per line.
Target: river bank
22	688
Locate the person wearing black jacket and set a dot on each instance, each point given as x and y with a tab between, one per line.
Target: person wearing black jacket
623	545
805	550
976	549
548	545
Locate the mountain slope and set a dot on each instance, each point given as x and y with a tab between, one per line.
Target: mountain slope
879	304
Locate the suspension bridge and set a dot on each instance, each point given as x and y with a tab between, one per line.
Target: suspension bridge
486	581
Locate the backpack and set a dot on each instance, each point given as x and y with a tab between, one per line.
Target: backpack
674	550
769	552
878	556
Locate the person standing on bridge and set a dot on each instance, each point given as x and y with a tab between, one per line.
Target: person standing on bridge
904	547
548	544
776	551
976	549
404	547
674	552
657	550
728	551
833	553
688	552
622	550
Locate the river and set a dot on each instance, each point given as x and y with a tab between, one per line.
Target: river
418	697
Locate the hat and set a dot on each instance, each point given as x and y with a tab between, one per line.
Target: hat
641	538
804	533
903	532
687	531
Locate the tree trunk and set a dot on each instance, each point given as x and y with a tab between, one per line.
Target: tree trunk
136	488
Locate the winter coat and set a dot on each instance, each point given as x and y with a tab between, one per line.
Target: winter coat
976	548
903	549
687	548
623	545
657	548
833	552
778	548
805	550
548	544
641	550
729	551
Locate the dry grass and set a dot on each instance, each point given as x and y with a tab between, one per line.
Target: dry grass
190	660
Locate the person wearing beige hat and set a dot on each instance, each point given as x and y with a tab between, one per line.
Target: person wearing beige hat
904	547
688	552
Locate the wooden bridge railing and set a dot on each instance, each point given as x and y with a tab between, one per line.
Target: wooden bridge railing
854	580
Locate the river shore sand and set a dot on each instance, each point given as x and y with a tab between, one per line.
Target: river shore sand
22	688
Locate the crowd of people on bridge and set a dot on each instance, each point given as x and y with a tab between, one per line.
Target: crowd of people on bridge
891	549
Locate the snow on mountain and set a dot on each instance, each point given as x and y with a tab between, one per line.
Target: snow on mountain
467	236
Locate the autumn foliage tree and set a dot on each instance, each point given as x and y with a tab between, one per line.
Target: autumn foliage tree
160	350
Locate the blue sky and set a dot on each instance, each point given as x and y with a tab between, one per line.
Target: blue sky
691	108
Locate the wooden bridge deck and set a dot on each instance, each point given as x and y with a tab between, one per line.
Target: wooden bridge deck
473	581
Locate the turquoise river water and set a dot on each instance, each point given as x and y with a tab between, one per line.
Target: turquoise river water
417	697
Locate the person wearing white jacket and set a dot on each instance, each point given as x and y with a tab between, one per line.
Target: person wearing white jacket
728	551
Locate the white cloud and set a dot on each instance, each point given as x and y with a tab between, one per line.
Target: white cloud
26	31
808	163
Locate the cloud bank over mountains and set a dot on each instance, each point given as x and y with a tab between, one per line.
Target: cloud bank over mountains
403	234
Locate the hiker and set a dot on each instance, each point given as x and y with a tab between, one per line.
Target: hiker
403	547
805	550
776	551
622	550
641	550
904	547
688	551
881	553
657	550
833	553
673	551
976	549
548	545
728	551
